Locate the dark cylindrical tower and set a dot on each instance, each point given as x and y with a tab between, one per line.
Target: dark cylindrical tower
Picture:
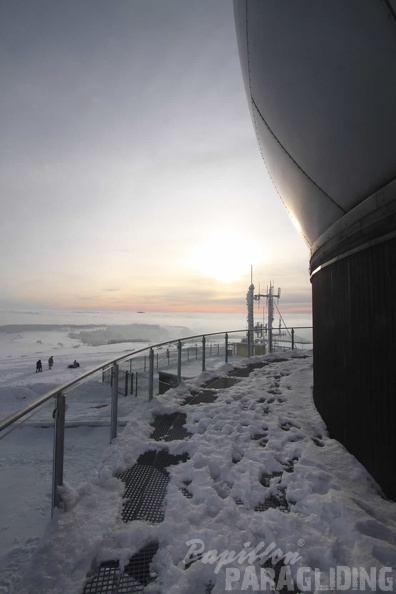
320	78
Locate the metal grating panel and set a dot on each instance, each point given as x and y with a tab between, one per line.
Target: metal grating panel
128	585
105	580
151	505
138	567
138	479
146	485
162	425
275	501
108	579
177	433
222	383
170	427
246	371
147	458
137	475
164	459
202	396
144	497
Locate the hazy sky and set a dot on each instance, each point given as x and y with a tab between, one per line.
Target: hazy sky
130	175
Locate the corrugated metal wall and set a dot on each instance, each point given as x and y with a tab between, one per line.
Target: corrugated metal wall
354	318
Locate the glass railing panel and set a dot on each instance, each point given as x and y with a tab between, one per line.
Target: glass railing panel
135	375
87	427
26	489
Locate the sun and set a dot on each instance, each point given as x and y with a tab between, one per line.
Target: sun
225	256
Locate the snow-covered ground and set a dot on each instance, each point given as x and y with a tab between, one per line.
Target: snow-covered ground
261	440
26	451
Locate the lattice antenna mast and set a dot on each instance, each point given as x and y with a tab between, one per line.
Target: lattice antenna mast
270	296
250	317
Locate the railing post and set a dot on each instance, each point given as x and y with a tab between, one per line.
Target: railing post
59	449
203	353
292	337
250	343
179	361
226	347
151	374
114	403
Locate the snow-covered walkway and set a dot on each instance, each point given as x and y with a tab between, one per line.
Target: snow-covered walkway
227	483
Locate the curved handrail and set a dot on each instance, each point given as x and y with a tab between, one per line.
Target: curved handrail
59	395
4	423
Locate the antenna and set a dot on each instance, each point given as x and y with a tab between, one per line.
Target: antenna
269	296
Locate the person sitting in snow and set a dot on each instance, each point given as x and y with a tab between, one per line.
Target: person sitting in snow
50	362
39	366
74	365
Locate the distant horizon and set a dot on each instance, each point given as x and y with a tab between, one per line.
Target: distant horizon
303	310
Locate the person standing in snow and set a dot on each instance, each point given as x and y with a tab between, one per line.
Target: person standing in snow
50	362
39	366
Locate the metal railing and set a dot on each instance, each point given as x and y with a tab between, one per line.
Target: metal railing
143	363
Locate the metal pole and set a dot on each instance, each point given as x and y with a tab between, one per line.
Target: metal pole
292	337
179	361
226	347
203	353
114	403
250	308
151	375
270	340
59	449
249	344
